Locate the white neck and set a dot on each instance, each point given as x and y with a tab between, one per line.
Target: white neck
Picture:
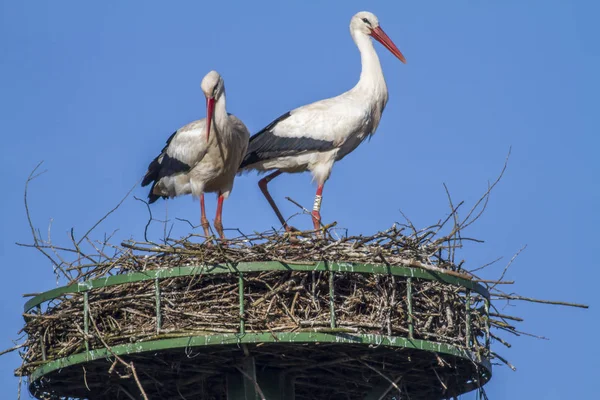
371	75
221	118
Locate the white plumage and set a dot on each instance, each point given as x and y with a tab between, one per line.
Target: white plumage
314	136
199	158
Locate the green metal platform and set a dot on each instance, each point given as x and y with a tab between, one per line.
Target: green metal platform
254	359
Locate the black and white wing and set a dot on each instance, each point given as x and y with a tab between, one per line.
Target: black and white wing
318	127
277	140
183	151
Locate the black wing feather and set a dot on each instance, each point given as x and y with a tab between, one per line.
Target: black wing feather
266	145
159	168
155	165
153	197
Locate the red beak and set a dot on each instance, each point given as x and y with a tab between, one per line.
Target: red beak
385	40
210	106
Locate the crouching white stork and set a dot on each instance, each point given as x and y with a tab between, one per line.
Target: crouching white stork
197	160
315	136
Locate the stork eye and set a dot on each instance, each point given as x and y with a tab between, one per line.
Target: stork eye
214	92
366	21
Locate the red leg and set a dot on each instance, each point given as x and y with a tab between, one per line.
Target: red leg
203	220
317	207
262	184
218	218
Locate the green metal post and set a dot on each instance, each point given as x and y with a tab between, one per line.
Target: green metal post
158	310
332	298
250	380
42	345
273	385
241	294
86	319
486	305
468	318
409	299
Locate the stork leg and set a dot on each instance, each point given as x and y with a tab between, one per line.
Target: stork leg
203	220
262	184
316	215
218	219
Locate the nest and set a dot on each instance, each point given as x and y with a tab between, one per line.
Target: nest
275	301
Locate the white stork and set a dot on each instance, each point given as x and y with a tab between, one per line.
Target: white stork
314	136
194	161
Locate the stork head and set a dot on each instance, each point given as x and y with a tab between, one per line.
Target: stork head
213	87
368	24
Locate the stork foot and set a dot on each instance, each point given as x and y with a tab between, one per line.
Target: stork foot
206	227
219	228
291	233
316	217
290	229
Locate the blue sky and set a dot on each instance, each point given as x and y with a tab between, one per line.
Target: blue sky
95	90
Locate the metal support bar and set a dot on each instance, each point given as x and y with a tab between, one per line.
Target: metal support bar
235	387
252	267
253	338
250	380
158	310
486	306
42	345
287	387
380	391
274	385
468	318
411	326
241	295
332	298
86	319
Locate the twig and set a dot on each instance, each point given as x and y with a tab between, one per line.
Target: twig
485	196
12	349
30	178
486	265
499	357
456	228
108	213
37	236
150	219
392	382
532	300
386	391
130	366
500	340
137	381
508	266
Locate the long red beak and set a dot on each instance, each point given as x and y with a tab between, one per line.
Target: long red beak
210	106
385	40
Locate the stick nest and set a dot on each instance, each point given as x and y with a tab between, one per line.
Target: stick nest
275	301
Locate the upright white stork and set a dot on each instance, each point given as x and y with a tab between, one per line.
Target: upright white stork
194	161
314	136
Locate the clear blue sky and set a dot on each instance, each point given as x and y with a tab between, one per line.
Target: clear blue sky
95	90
